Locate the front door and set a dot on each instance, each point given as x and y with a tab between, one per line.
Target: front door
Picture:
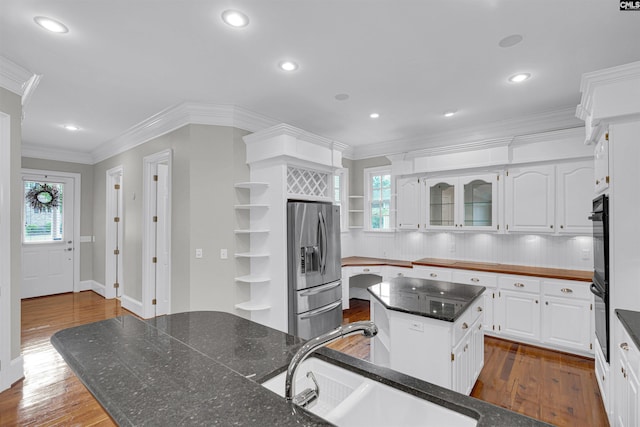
47	235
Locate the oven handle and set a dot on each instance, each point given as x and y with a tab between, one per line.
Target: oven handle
596	291
597	216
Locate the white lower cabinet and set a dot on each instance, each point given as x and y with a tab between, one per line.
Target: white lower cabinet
603	377
432	273
518	310
626	381
444	353
566	315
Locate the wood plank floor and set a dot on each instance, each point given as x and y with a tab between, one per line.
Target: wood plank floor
550	386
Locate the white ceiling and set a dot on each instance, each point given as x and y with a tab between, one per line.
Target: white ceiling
124	61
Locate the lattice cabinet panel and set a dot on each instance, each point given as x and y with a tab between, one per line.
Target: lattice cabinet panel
308	183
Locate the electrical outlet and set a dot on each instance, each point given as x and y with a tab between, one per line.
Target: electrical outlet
223	254
198	253
585	254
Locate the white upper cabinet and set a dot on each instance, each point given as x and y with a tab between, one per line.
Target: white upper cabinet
549	199
462	203
530	198
574	194
409	206
601	162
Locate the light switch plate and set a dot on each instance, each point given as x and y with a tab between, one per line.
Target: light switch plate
223	254
198	253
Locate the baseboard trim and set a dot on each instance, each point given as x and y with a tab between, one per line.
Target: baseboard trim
13	374
132	305
92	285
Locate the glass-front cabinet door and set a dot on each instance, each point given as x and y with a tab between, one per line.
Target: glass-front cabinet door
462	203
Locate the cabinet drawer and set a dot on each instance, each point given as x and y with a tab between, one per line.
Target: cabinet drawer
432	273
468	318
519	283
365	269
474	278
629	349
567	289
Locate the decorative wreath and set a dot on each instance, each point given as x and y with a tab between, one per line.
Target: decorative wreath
43	197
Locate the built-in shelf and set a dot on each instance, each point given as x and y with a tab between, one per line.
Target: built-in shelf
251	255
252	185
251	206
249	231
356	211
356	226
249	306
356	197
252	279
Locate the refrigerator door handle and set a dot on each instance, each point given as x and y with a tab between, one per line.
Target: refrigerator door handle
323	243
320	289
320	310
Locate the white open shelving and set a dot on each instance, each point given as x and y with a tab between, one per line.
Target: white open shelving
255	260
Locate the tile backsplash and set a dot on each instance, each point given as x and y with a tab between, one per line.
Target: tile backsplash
571	252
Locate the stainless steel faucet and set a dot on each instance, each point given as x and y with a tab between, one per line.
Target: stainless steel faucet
366	328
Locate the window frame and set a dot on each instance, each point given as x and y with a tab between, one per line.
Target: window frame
343	174
368	174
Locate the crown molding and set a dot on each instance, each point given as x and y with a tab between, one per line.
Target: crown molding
469	146
489	134
556	135
178	116
288	130
46	153
591	81
13	77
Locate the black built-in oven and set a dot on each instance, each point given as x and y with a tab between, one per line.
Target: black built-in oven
600	285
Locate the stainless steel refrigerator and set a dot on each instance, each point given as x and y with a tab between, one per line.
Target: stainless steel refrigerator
314	268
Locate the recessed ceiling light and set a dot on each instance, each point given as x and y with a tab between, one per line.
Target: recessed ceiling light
288	66
342	96
519	78
235	18
72	128
511	40
450	113
374	115
51	24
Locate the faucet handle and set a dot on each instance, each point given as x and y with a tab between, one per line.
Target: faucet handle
306	396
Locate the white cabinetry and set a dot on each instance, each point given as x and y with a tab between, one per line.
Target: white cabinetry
601	164
467	203
530	199
447	354
518	313
489	281
549	199
626	382
566	315
432	273
409	208
574	195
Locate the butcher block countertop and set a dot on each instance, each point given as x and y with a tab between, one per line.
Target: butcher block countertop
520	270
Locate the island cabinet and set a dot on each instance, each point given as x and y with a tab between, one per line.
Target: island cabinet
447	353
626	381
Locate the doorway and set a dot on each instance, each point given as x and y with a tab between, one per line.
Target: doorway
50	233
156	239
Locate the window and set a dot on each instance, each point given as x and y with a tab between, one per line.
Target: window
43	204
378	198
340	196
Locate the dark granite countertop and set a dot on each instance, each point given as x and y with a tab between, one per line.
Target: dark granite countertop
429	298
205	368
631	322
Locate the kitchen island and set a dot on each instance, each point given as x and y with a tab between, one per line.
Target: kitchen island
205	368
430	329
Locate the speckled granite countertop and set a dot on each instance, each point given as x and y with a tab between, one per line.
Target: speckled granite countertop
631	322
205	368
429	298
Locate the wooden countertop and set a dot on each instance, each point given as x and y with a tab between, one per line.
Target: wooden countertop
521	270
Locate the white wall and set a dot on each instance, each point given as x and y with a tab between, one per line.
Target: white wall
532	250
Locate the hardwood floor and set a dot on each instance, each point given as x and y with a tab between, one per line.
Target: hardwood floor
554	387
50	394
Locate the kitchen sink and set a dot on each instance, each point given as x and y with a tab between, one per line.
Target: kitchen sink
349	399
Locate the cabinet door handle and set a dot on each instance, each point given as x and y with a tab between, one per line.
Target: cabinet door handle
518	285
475	279
624	346
366	270
536	301
551	226
566	290
400	275
433	275
479	326
479	308
465	326
597	182
546	303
